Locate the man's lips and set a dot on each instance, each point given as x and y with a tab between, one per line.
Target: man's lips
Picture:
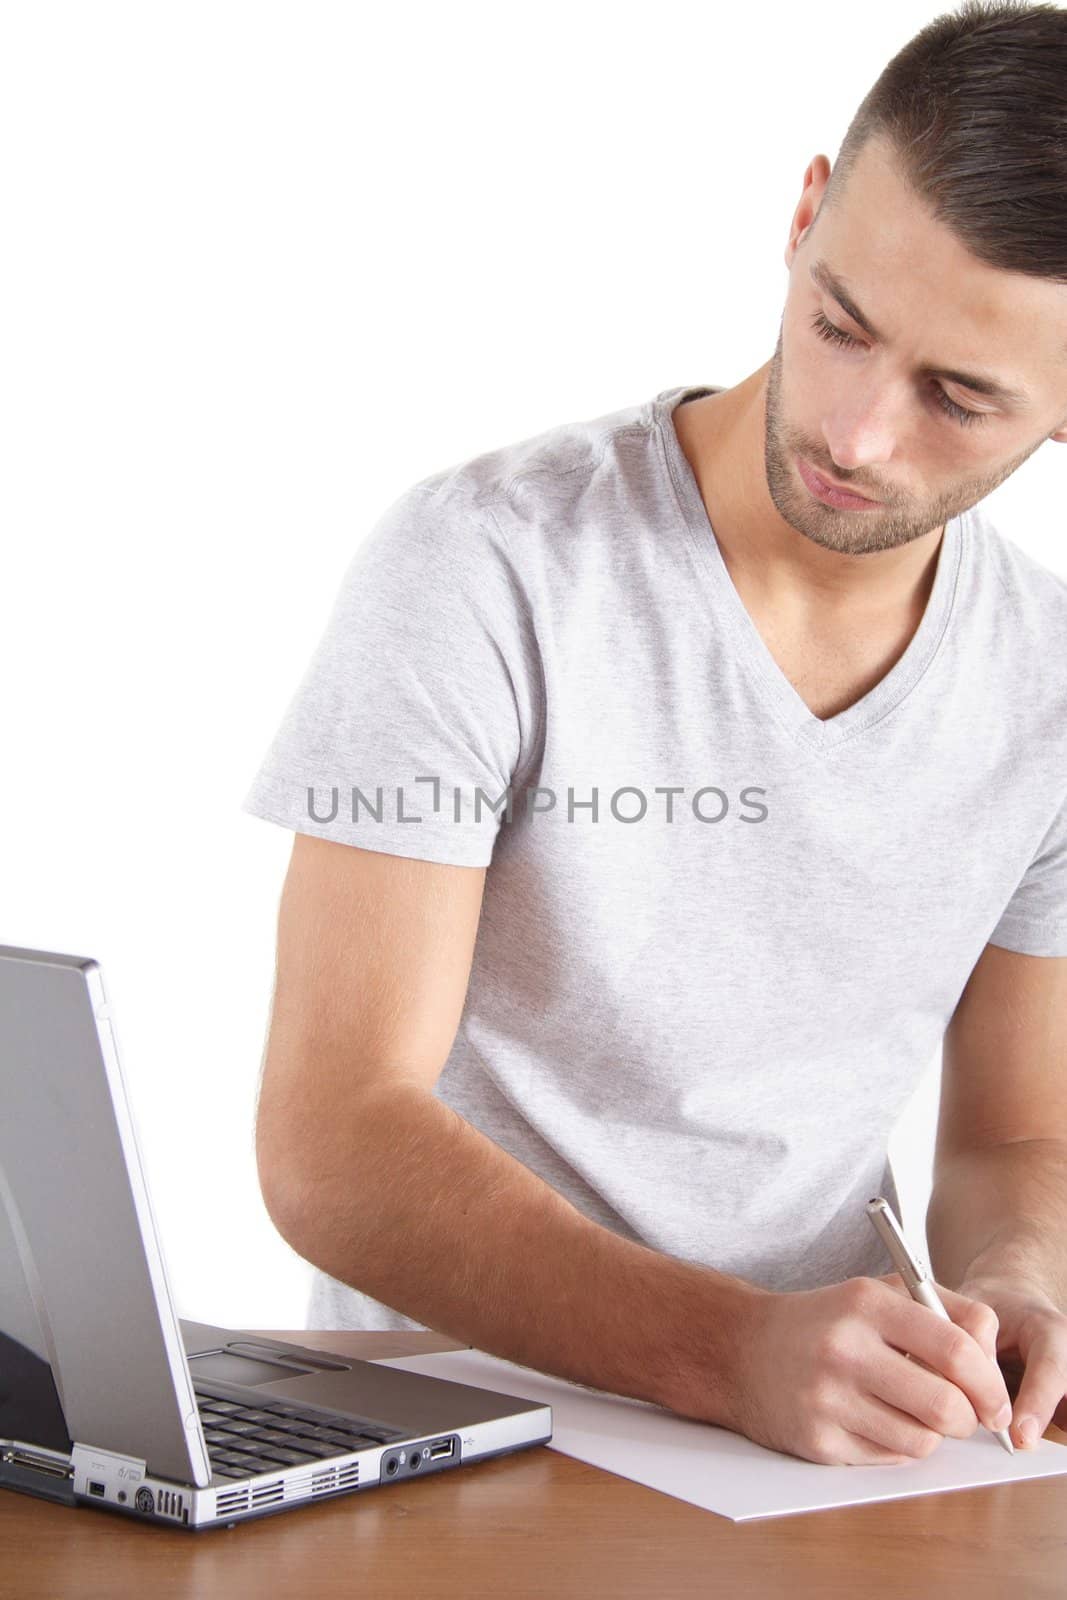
832	493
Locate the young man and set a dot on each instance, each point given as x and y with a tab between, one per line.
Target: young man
601	1080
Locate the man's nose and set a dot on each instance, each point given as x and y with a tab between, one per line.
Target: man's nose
861	427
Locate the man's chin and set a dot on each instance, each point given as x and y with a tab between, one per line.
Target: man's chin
834	531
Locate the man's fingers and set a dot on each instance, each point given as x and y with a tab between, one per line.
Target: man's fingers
1043	1385
973	1316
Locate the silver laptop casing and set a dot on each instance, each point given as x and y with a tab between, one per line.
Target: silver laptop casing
96	1369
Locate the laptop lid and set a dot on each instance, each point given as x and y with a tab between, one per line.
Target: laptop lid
90	1347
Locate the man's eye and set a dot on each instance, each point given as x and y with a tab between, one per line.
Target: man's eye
826	330
834	335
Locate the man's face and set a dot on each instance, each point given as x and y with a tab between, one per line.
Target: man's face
866	413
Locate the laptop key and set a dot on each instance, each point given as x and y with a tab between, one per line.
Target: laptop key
351	1425
328	1436
278	1453
344	1441
251	1463
316	1447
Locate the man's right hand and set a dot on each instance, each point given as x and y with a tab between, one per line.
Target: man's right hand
825	1374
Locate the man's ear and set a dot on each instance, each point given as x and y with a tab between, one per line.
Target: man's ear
816	177
794	245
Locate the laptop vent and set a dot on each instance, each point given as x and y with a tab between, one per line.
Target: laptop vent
231	1501
171	1504
335	1479
228	1502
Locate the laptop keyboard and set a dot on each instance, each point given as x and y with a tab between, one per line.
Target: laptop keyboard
242	1440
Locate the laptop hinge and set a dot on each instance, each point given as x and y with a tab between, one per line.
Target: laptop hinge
95	1466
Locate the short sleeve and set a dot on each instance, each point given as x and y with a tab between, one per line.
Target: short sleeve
1034	921
417	708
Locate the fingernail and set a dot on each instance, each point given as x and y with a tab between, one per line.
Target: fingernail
1003	1416
1027	1430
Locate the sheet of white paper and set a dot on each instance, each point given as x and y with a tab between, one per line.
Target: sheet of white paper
722	1471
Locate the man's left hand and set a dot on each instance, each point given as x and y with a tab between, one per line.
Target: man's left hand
1031	1351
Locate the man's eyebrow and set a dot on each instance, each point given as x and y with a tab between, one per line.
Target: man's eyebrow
980	382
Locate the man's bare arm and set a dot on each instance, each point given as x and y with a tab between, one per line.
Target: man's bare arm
375	1180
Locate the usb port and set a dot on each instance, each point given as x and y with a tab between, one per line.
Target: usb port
96	1488
445	1448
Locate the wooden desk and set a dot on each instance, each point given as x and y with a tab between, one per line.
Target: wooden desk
540	1524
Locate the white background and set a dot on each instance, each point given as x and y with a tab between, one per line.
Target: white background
264	267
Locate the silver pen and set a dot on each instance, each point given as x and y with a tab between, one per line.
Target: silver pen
917	1280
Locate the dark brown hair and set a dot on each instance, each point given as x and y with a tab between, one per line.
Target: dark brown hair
974	108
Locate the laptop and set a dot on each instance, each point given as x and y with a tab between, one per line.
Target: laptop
107	1397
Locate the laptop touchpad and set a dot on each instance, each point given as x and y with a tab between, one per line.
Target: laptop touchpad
225	1367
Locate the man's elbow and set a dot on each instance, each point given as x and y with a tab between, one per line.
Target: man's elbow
275	1185
286	1183
307	1177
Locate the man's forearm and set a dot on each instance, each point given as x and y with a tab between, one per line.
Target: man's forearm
1002	1213
417	1208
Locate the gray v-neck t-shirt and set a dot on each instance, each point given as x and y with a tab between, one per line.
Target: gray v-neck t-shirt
721	938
